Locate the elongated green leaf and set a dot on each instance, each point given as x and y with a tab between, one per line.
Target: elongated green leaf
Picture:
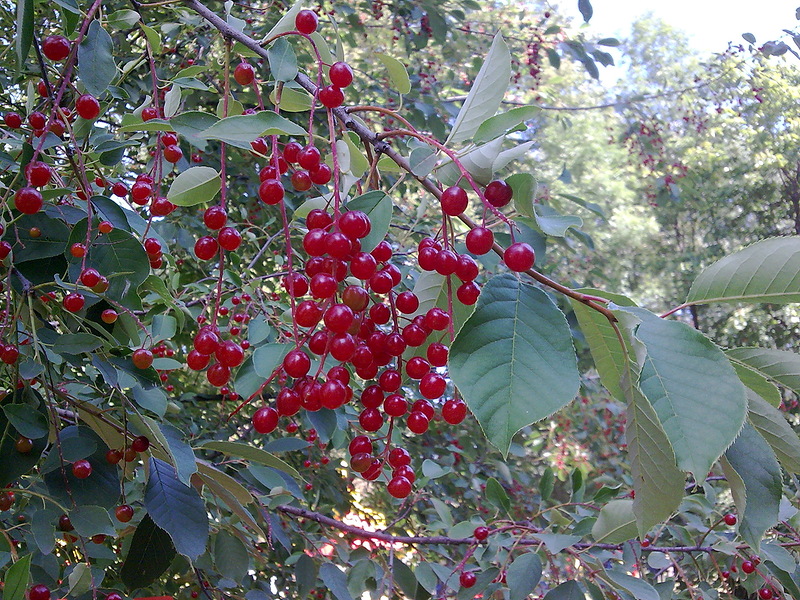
523	575
378	206
767	271
616	522
191	124
640	589
569	590
177	509
513	359
524	187
28	420
398	74
585	6
91	520
779	366
293	99
757	382
753	460
123	19
24	34
693	388
504	122
76	343
241	130
774	428
657	481
96	59
253	454
335	580
196	185
553	223
149	555
496	495
607	352
230	556
267	358
486	94
16	581
282	60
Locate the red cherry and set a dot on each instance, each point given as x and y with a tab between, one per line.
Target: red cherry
498	193
124	513
417	422
406	302
81	469
417	367
142	358
197	361
454	411
38	173
437	354
56	48
230	354
479	240
206	248
481	533
271	191
218	375
306	21
321	174
296	364
331	96
395	405
173	154
39	592
454	201
390	380
360	444
9	354
37	120
318	219
765	593
338	318
90	277
341	75
244	73
12	120
290	152
73	302
87	107
140	444
371	419
519	257
467	579
309	157
730	519
323	285
259	146
265	420
149	113
468	293
432	386
215	217
168	138
399	487
399	457
467	268
161	207
28	200
748	567
113	456
229	239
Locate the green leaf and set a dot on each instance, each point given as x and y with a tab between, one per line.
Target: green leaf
496	495
123	19
230	556
754	462
305	574
52	242
269	357
91	520
335	581
486	94
553	223
177	509
767	271
504	122
608	354
172	100
180	453
378	206
569	590
546	483
191	124
241	130
691	385
555	542
80	580
293	99
779	366
590	206
513	359
282	60
153	38
28	420
398	74
77	343
657	481
774	428
24	34
586	9
523	186
523	575
616	522
196	185
640	589
757	382
16	581
149	556
252	454
96	59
